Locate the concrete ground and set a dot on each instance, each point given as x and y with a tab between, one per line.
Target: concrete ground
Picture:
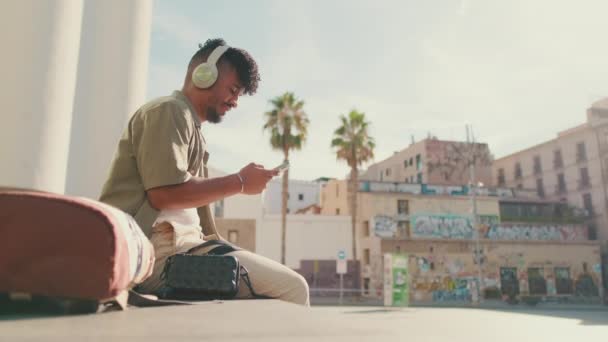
271	320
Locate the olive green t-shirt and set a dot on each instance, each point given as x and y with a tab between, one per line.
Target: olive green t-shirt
162	145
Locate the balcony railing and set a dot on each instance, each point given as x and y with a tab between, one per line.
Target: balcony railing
558	164
560	189
581	157
583	184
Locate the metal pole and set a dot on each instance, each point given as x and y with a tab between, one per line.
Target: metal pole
471	140
341	287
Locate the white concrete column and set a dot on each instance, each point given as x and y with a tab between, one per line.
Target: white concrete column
40	44
111	85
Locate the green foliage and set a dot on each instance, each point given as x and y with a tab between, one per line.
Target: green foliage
352	141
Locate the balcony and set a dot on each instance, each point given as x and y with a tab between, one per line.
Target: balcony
583	184
581	157
558	164
561	189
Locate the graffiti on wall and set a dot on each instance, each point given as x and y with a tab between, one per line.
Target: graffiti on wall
427	189
451	290
460	227
585	286
537	232
384	226
441	227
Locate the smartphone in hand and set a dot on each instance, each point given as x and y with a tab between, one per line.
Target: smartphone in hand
284	166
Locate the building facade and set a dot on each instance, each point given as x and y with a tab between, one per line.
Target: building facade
515	248
301	194
572	168
416	164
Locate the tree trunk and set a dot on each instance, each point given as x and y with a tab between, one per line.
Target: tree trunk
353	207
284	194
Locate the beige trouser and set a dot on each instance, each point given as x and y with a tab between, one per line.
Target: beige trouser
268	277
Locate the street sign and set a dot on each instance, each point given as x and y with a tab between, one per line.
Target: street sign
341	255
341	266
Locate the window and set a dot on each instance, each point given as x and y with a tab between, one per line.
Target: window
584	180
508	280
403	229
517	170
411	179
537	165
218	208
388	172
446	176
366	282
540	188
418	162
558	162
366	231
501	177
592	231
366	256
588	204
419	178
405	164
397	249
403	207
300	197
536	281
337	211
561	183
520	186
563	282
581	153
411	161
233	236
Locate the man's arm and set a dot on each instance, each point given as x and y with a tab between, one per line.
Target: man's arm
197	191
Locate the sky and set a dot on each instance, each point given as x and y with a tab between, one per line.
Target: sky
518	71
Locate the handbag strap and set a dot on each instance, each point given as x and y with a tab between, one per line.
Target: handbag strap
139	300
222	247
245	276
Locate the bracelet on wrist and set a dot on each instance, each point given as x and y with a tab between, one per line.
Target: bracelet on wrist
242	181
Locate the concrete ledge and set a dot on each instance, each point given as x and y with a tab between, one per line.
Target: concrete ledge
271	320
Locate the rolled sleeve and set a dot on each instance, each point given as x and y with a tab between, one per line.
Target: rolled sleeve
160	146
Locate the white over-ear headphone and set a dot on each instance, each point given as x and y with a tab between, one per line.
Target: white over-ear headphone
205	74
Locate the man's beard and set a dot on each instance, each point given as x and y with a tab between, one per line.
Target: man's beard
213	116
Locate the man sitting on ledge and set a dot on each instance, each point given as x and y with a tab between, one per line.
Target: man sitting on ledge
159	172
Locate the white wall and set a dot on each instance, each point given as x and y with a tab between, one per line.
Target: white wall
272	196
240	206
40	45
308	237
111	85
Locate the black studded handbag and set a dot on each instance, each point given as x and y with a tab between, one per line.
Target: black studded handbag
204	277
200	277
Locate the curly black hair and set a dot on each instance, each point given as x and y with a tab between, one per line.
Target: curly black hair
245	65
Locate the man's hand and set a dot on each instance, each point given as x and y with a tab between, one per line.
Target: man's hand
255	178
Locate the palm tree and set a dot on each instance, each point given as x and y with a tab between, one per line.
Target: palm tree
288	126
353	145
